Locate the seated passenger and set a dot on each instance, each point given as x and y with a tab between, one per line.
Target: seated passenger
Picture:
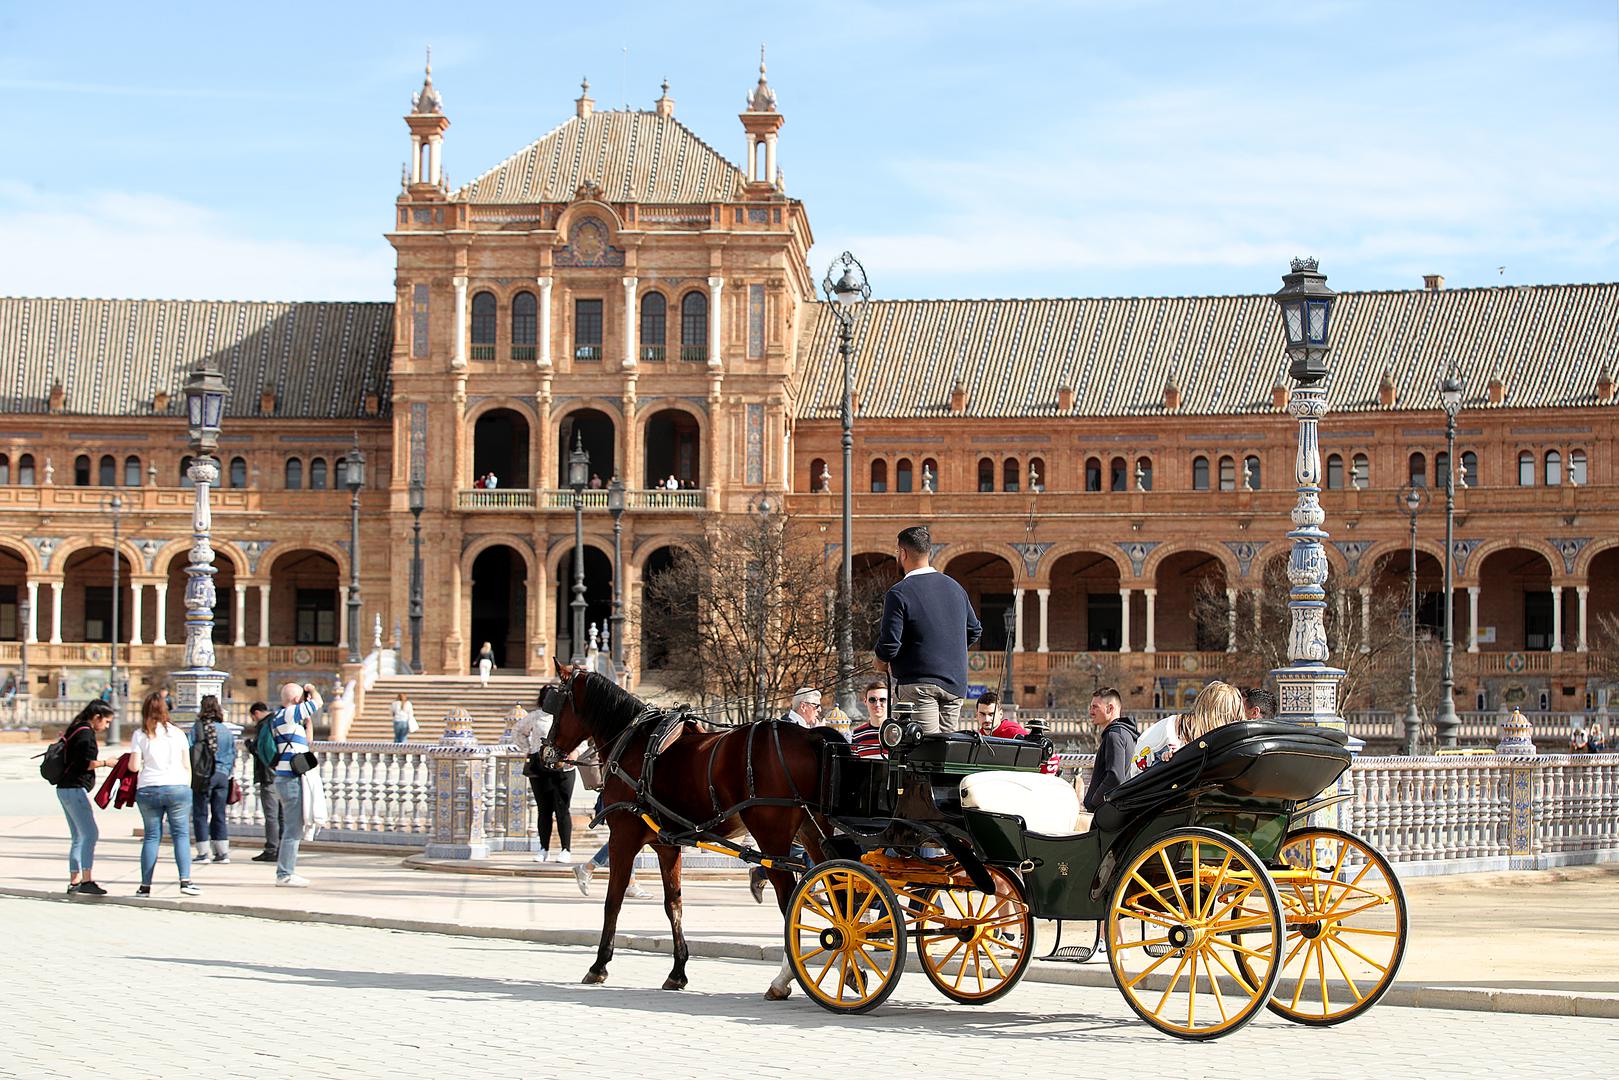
1259	703
992	722
1117	739
1216	705
866	738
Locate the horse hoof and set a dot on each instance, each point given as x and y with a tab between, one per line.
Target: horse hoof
775	994
594	978
673	983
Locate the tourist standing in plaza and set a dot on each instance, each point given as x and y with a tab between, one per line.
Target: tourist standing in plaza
404	714
552	788
160	755
486	663
927	626
299	704
264	781
81	757
209	793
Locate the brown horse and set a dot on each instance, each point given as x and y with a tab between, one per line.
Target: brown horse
696	777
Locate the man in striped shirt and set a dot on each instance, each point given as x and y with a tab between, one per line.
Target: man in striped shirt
290	725
866	738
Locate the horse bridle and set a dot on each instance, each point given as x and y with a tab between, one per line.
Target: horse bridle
552	700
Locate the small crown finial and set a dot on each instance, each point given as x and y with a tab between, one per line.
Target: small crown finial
430	60
1304	265
761	58
666	87
584	85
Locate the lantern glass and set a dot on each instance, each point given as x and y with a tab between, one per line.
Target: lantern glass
1413	500
1293	322
1011	623
615	496
847	290
354	469
1318	310
213	409
578	466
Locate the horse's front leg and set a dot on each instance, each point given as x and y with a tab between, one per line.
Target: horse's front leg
622	845
669	864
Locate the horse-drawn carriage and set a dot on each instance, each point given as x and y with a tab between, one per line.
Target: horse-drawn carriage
1213	894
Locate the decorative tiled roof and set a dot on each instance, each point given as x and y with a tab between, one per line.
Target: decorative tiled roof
1547	344
633	156
113	357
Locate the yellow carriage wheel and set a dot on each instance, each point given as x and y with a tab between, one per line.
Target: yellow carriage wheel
1345	915
1185	913
845	936
974	946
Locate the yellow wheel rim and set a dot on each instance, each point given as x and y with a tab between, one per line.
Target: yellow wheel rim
1346	921
845	940
1186	913
974	946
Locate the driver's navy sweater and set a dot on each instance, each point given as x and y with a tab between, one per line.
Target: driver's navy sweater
928	623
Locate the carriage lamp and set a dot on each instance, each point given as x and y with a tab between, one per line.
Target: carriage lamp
354	468
578	464
1306	304
205	392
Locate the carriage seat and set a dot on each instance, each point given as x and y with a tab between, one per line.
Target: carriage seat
1047	804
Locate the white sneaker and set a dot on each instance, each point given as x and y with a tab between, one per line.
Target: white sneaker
542	856
293	882
581	874
564	856
638	893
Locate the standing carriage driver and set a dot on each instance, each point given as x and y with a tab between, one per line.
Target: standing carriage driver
927	626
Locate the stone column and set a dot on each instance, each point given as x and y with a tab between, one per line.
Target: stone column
460	328
770	159
1045	596
1231	620
435	148
241	615
1581	592
1124	620
32	630
1017	619
161	635
136	592
545	324
1557	618
1472	618
1258	596
629	322
1152	620
56	613
716	287
342	618
264	616
1365	617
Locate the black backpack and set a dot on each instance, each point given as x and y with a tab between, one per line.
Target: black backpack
54	767
202	763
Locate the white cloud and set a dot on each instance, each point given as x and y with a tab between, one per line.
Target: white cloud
145	246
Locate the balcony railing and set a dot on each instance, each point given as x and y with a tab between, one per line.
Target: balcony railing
494	499
694	354
483	352
654	354
524	353
637	499
589	353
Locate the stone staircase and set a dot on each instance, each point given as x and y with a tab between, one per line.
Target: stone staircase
435	695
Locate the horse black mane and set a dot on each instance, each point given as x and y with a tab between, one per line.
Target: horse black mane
610	707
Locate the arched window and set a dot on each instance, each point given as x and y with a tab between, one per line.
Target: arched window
820	478
879	475
525	325
1118	475
1037	474
317	474
1417	470
1335	472
5	468
930	474
654	326
694	327
1554	468
107	471
1200	474
295	474
1441	468
25	470
1228	474
1009	474
1251	478
986	474
1526	469
238	472
1093	474
185	473
340	472
1576	466
81	471
902	476
1469	468
483	326
1144	473
1360	472
132	471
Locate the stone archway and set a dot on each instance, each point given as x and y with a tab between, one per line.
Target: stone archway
673	447
988	580
596	431
500	439
500	607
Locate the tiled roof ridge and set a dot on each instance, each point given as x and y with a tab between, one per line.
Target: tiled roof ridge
175	300
463	192
1219	296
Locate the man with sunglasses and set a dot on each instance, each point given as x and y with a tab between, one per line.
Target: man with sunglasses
866	739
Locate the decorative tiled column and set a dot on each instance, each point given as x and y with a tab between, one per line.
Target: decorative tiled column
459	782
1124	620
459	355
716	287
545	325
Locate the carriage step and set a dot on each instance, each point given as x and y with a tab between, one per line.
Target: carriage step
1070	954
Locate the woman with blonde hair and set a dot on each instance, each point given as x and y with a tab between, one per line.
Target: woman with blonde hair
486	663
160	756
1216	705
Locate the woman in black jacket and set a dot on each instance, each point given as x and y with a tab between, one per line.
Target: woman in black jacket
82	757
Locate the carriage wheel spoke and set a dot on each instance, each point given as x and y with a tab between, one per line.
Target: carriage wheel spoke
1353	989
1304	974
1342	944
1191	997
1174	981
1148	970
1214	985
1143	943
1214	888
1174	883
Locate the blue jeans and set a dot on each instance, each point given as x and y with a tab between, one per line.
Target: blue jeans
213	802
402	732
171	801
81	824
289	792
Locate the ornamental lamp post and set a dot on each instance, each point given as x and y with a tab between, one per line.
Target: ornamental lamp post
1308	687
354	480
1010	617
116	506
1411	499
205	393
25	615
418	501
615	506
578	477
1451	387
846	288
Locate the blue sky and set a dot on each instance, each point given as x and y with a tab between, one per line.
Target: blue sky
961	149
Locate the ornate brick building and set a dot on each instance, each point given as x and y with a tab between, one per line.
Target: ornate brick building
620	285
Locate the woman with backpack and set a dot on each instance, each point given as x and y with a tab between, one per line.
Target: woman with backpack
212	740
160	756
80	757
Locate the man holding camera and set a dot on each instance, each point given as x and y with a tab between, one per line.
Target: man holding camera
290	726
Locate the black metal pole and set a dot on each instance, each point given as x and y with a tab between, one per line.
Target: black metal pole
617	618
416	591
354	576
117	698
1445	721
578	605
1413	718
845	692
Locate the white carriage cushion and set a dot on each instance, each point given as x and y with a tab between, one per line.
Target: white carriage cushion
1047	804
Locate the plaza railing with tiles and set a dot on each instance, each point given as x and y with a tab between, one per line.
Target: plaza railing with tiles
1072	727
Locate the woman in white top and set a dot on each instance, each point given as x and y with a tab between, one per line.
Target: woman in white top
552	788
1216	705
486	663
404	714
161	758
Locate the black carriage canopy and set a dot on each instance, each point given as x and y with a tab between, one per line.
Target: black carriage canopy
1261	759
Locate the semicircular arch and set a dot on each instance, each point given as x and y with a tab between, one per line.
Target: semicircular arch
1221	554
1476	560
24	551
483	542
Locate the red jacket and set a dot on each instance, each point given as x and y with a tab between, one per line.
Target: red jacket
124	780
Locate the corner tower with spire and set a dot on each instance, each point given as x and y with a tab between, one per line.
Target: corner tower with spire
761	122
427	124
